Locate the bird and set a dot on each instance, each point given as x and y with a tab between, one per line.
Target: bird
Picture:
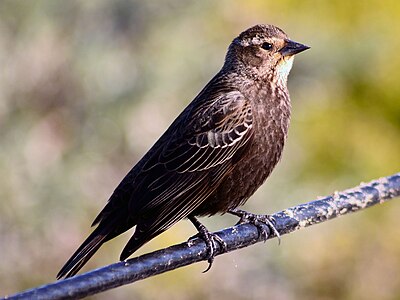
218	151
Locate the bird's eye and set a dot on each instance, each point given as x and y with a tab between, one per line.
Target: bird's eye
266	46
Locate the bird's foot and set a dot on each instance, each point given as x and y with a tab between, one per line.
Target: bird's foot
259	221
211	240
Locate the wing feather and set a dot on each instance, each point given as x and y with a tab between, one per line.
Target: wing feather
222	129
163	217
183	162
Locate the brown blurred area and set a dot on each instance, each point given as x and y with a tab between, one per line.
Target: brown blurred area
87	87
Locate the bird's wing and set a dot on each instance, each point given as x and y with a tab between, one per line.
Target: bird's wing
200	147
214	135
188	167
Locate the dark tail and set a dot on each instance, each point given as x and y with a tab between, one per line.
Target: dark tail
134	244
89	247
143	234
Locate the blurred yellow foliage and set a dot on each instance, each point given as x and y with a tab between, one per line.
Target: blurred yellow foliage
87	87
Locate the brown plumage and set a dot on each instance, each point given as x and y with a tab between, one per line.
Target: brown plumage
213	157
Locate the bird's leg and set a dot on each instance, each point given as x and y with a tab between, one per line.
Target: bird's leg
259	221
210	239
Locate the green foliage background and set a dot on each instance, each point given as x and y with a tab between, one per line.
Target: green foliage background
86	87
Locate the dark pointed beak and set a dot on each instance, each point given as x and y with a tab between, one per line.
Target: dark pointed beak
292	48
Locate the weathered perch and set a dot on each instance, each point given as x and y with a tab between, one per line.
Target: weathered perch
236	237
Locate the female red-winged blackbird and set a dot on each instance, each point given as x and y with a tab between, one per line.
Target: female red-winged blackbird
213	157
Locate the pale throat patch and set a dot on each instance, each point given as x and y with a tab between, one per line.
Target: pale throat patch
283	68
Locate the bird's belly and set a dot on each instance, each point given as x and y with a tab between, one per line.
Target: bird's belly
246	177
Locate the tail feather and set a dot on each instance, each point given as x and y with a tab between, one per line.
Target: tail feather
75	268
133	244
138	240
85	252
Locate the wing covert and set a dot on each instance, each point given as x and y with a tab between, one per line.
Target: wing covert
213	136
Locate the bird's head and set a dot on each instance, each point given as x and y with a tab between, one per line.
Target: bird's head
263	51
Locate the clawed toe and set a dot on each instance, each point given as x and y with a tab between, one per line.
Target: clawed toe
264	223
211	240
214	244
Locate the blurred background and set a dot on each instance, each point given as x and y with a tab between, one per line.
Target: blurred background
87	87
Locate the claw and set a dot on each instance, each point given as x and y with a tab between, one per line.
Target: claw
211	241
259	221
